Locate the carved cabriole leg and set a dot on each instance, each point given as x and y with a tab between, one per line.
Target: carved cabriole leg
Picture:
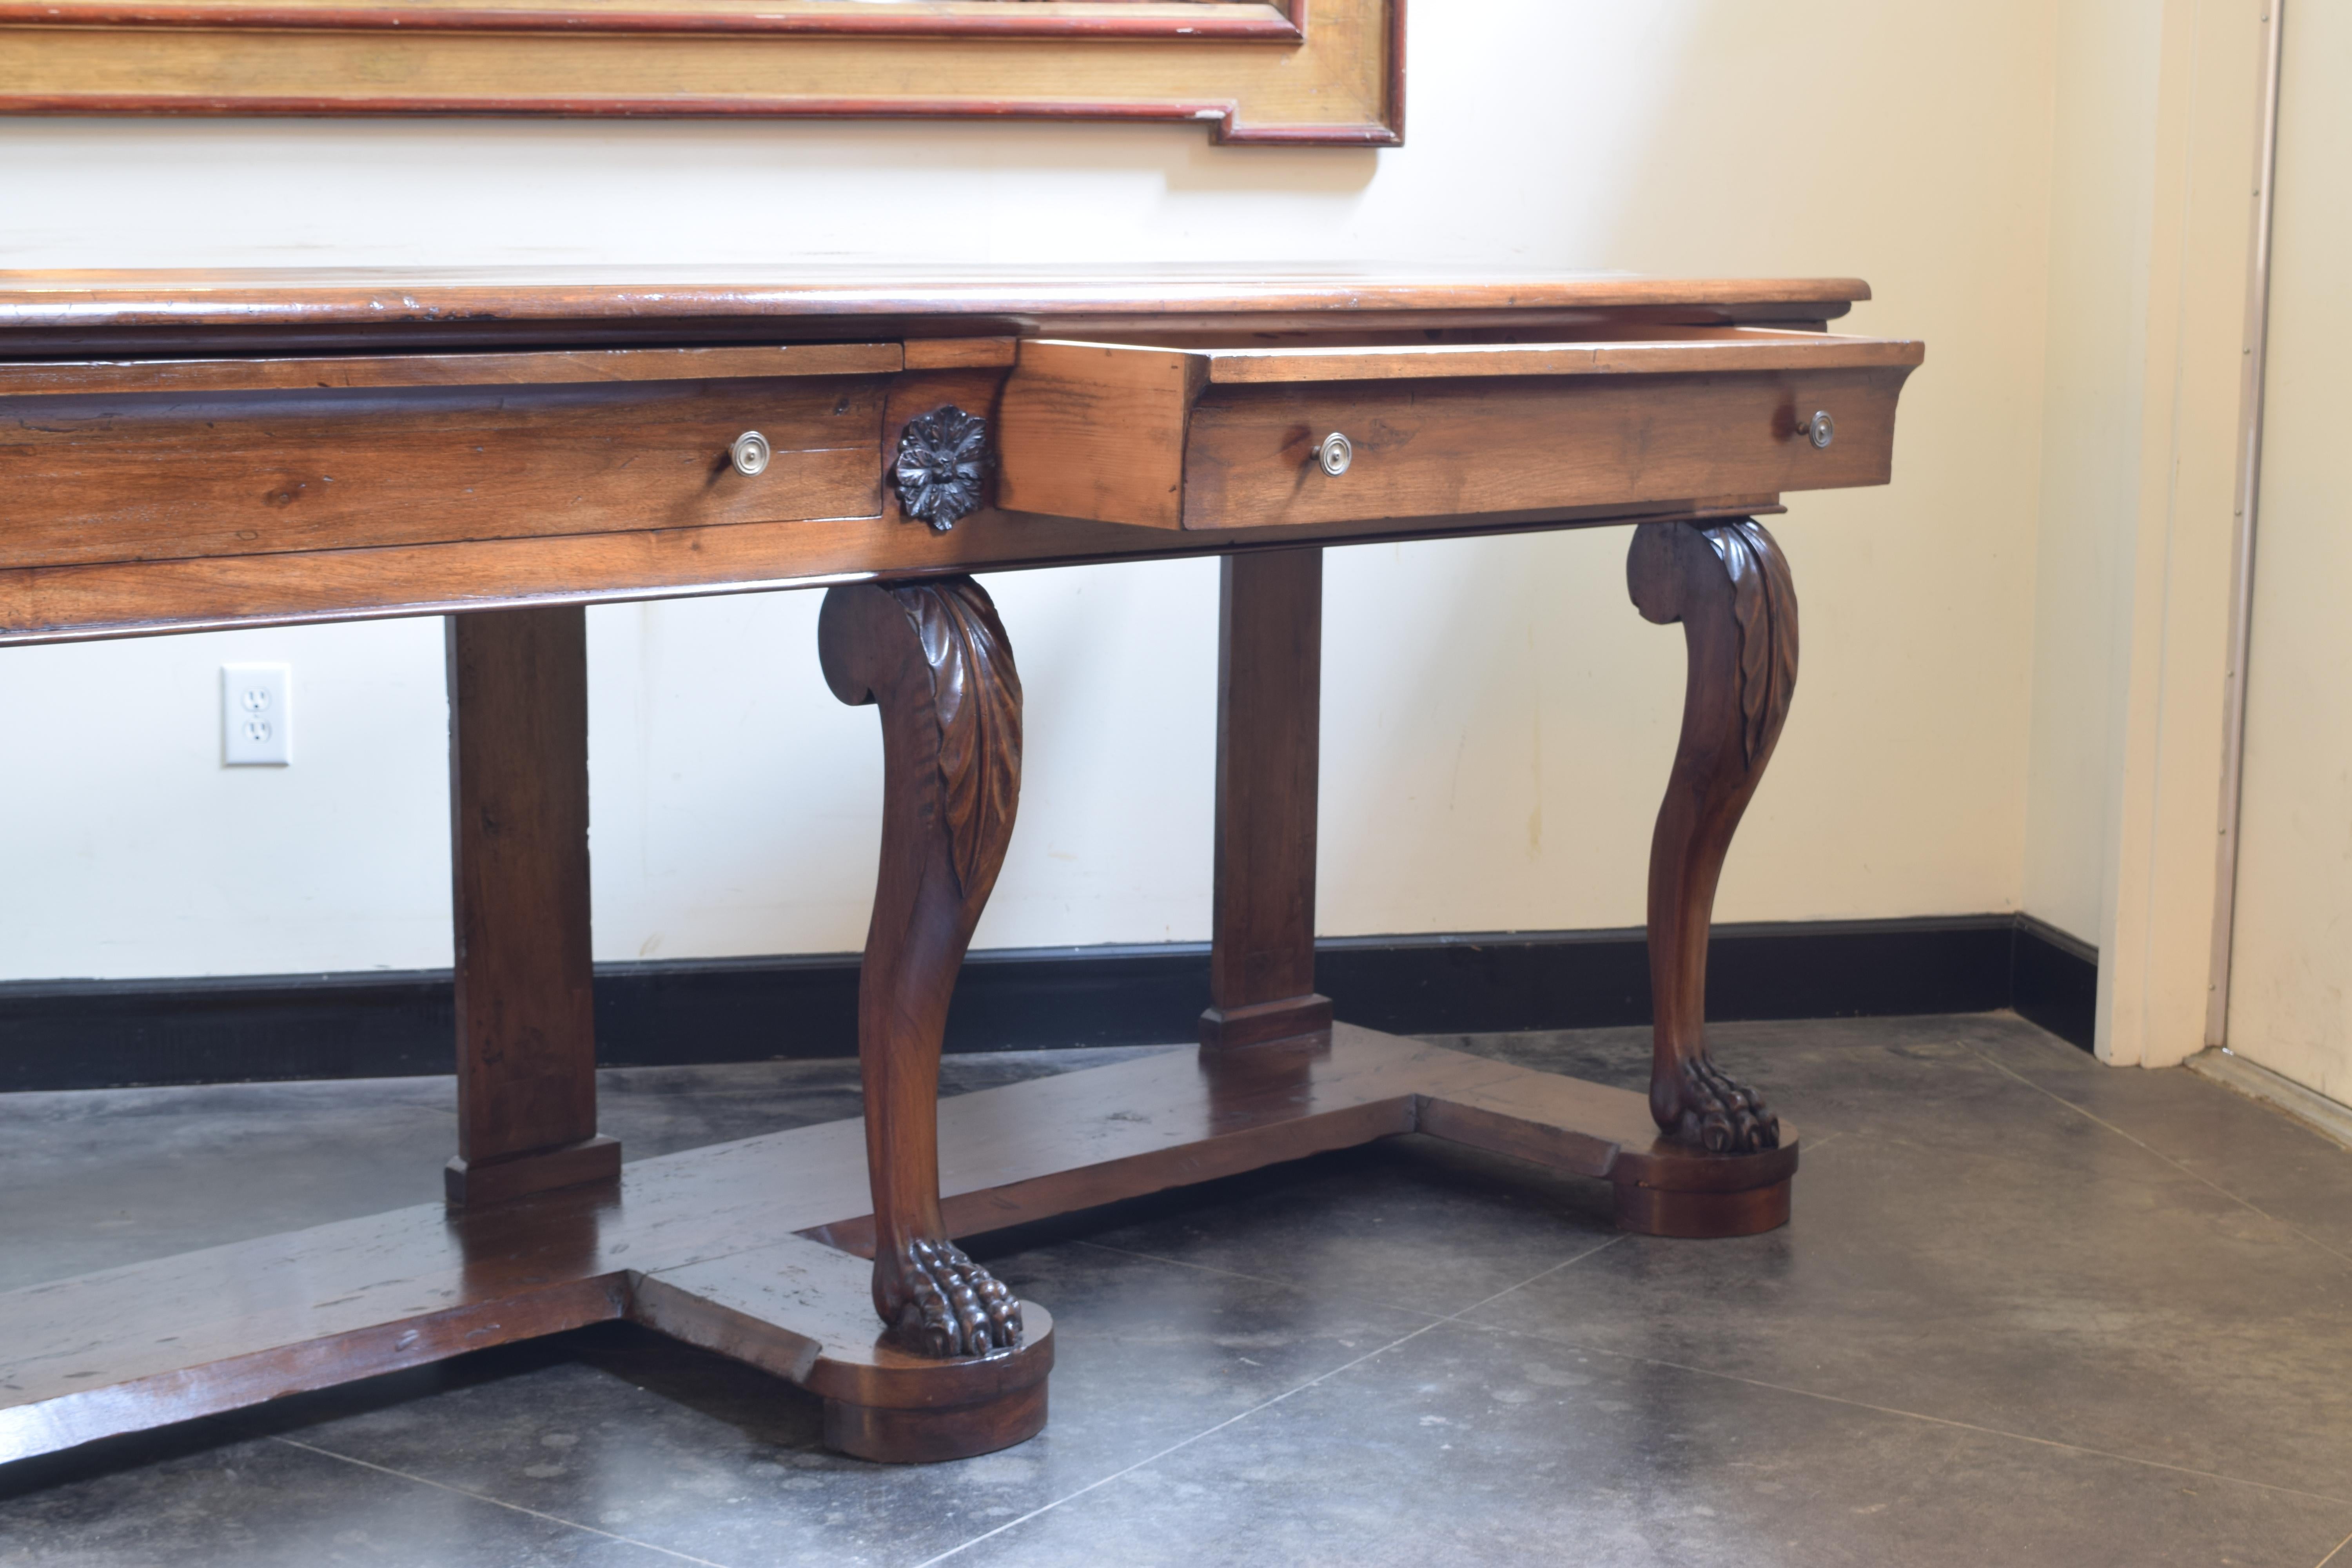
1728	584
934	658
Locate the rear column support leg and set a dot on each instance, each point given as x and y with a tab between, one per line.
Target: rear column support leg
519	847
1269	711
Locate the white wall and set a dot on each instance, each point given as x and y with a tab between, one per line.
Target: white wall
1497	721
2103	193
2290	980
2159	112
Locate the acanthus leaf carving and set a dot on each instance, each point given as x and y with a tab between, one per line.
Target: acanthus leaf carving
976	694
1764	607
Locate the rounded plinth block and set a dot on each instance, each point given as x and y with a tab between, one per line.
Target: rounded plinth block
893	1407
1672	1189
1702	1217
890	1436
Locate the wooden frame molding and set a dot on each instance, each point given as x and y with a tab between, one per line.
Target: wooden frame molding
1262	19
1256	70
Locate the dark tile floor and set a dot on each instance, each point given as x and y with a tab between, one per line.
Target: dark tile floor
2030	1310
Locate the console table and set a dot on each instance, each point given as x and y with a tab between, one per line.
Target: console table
192	451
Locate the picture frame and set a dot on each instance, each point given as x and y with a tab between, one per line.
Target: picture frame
1301	72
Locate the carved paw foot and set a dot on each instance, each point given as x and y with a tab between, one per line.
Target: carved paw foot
953	1307
1719	1115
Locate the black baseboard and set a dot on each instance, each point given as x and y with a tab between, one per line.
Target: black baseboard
102	1033
2055	981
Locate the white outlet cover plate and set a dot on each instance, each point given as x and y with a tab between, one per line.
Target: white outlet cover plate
256	715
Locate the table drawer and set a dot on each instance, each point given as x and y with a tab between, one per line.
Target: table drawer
212	458
1231	436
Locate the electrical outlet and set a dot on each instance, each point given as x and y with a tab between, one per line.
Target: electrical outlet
256	715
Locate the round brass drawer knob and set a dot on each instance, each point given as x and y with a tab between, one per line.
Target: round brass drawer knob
1821	429
749	453
1337	452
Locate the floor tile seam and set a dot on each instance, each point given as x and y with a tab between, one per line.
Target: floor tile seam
1262	1405
1368	1301
2098	1121
1222	1273
1152	1458
1538	1276
494	1501
1918	1415
1291	1285
2332	1556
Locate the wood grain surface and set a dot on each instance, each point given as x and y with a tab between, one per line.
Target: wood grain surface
933	659
797	1309
24	378
1095	430
288	308
1269	717
1731	590
960	353
72	603
131	478
1473	446
257	474
526	1006
1170	434
1307	360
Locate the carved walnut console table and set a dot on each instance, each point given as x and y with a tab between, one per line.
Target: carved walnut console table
194	452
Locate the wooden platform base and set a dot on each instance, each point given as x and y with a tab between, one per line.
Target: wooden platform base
751	1248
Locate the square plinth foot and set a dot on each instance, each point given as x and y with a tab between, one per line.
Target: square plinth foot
1304	1017
1702	1217
471	1183
928	1436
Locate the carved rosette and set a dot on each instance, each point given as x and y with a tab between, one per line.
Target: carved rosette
942	458
1764	607
976	695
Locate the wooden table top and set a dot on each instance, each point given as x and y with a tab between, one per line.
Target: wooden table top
41	312
209	449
